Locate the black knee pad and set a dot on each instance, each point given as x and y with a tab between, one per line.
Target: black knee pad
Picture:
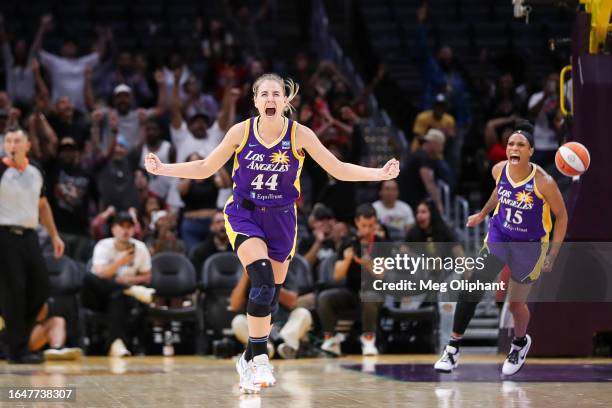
261	295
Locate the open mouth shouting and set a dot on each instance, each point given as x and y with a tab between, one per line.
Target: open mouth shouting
270	111
515	159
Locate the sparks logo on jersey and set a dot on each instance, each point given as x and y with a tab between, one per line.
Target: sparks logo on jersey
522	200
286	144
279	157
523	197
279	161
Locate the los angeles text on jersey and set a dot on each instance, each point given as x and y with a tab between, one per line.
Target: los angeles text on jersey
522	200
277	164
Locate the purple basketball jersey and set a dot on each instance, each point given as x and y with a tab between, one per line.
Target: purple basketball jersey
521	214
267	174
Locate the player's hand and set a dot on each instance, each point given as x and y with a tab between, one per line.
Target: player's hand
475	219
549	261
153	164
390	170
58	246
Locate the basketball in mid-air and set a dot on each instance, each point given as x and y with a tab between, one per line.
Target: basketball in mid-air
572	159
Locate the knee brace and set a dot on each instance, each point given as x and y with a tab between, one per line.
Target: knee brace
262	290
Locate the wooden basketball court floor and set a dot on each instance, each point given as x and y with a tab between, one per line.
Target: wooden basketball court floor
384	381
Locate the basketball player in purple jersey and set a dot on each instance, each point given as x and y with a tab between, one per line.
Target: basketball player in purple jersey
260	216
522	200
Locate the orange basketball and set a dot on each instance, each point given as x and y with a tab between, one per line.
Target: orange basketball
572	159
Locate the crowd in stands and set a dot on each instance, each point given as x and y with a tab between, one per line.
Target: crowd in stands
93	116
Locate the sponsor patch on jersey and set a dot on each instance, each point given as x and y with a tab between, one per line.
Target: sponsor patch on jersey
529	187
286	144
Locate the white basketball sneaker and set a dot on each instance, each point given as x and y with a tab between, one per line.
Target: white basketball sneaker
332	345
246	373
516	358
262	370
449	360
368	345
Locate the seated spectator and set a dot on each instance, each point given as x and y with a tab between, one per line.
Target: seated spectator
165	235
152	205
50	330
395	214
420	174
100	227
121	266
348	269
430	227
216	242
436	118
200	200
294	322
319	245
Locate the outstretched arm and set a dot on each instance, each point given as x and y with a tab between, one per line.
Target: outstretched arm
200	169
307	140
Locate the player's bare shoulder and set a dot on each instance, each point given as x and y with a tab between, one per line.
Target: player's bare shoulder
303	135
542	178
236	134
497	168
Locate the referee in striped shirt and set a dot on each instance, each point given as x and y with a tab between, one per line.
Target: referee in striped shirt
24	280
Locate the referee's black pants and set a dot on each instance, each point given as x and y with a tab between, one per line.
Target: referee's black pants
24	286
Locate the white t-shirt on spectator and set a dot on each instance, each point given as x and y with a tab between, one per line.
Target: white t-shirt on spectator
399	216
185	144
544	136
105	253
68	76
